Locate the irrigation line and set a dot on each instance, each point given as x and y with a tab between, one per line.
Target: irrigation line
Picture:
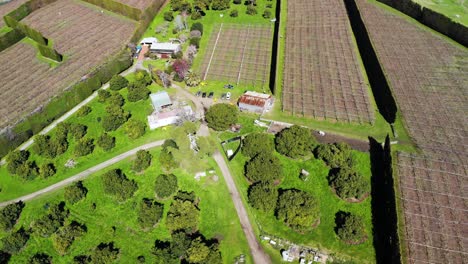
435	205
433	170
243	54
420	190
442	221
444	249
428	231
212	53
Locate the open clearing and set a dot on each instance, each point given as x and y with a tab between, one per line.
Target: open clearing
86	38
322	75
429	79
239	54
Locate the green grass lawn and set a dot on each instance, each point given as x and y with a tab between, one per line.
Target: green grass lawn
217	219
13	186
323	237
457	10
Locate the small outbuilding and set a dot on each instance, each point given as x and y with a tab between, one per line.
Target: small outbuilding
255	102
160	100
149	41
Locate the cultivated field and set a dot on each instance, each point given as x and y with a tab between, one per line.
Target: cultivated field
84	35
239	54
429	79
140	4
322	75
7	8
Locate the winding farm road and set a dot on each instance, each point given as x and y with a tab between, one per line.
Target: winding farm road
84	173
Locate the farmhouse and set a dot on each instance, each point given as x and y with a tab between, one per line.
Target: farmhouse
255	102
165	48
149	41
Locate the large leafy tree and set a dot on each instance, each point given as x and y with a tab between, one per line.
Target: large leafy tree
118	185
350	228
221	116
40	258
75	192
295	141
84	147
65	237
298	209
105	253
15	242
118	82
51	222
134	128
265	167
335	155
149	213
10	214
166	185
263	196
142	161
106	142
256	143
348	183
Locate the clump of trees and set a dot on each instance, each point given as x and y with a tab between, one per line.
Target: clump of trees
335	155
166	185
15	241
52	221
348	183
75	192
256	143
298	209
234	13
166	157
84	147
265	167
221	116
169	16
19	164
117	184
350	228
83	111
116	116
263	196
134	128
295	141
149	213
10	214
78	131
65	237
105	253
40	258
46	170
142	161
183	215
251	10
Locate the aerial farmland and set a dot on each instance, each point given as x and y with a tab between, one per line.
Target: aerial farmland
233	131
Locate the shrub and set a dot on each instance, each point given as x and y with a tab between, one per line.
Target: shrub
264	167
46	170
234	13
106	142
84	147
350	228
105	253
237	2
195	42
335	155
83	111
298	209
197	26
168	16
75	192
166	185
117	184
149	213
295	141
220	4
40	258
116	99
117	83
114	121
137	94
78	131
142	161
10	214
251	10
103	95
182	215
267	14
263	196
134	128
196	16
221	116
348	183
15	242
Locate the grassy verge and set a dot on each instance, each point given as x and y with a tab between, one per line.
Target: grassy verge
216	219
454	9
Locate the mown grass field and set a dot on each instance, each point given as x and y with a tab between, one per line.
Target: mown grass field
217	219
13	186
457	10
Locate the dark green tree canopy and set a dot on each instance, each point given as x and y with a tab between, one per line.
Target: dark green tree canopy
84	147
10	214
105	253
197	26
350	228
118	185
142	161
52	221
183	215
40	258
134	128
264	167
75	192
149	213
106	142
298	209
295	141
83	111
256	143
348	183
118	82
166	185
263	196
15	241
65	237
221	116
46	170
335	155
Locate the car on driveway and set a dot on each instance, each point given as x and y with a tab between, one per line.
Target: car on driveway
198	94
228	96
210	95
203	95
228	86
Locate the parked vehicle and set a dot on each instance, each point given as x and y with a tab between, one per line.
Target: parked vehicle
228	96
198	94
223	96
210	95
203	95
228	86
